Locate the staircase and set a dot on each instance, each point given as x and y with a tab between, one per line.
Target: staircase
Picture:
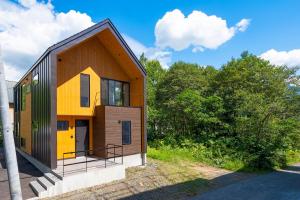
45	186
52	184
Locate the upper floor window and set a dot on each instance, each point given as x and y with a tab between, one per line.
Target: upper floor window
25	89
23	97
35	79
84	90
114	93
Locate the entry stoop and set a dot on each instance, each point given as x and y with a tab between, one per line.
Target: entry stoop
52	184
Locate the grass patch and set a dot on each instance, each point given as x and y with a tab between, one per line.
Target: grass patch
207	156
174	155
177	155
292	157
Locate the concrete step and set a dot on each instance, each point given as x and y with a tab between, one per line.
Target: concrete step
57	175
52	178
39	190
45	183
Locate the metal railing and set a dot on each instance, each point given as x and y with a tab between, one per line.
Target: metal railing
109	152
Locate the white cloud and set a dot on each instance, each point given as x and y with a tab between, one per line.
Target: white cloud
27	3
27	28
243	25
137	47
12	73
164	57
289	58
199	30
197	49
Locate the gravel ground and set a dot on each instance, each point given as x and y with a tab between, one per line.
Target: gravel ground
279	185
159	180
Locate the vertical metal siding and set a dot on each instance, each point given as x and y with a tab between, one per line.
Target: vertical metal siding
17	115
41	112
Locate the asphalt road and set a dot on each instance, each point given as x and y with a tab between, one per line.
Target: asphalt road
279	185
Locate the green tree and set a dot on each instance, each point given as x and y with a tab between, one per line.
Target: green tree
257	100
155	74
247	109
183	103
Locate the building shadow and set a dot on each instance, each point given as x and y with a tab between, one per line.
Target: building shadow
27	174
138	187
26	169
184	190
282	184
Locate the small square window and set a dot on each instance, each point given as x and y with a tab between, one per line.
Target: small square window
62	125
35	126
23	142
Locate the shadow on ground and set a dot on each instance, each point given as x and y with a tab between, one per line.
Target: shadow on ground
185	190
158	181
27	173
281	185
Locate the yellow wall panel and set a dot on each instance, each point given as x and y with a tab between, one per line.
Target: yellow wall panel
66	139
90	57
25	122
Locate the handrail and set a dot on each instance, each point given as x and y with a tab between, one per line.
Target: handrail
86	152
102	148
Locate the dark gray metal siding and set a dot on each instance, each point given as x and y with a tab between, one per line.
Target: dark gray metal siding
17	95
41	112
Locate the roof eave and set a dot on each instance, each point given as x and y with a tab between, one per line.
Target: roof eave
77	36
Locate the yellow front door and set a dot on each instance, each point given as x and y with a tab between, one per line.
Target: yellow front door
65	137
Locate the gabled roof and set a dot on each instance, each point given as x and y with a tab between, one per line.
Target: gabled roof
10	90
87	33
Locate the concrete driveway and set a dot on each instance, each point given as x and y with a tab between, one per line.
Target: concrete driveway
279	185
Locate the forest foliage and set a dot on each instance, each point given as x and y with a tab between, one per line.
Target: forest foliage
247	111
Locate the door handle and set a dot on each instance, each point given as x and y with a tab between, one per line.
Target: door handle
71	136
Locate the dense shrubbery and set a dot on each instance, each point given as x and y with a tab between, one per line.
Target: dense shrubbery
246	112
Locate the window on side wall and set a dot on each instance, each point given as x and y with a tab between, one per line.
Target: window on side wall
84	90
126	132
23	97
23	142
35	79
62	125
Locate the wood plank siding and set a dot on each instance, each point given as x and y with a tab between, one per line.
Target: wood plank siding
90	58
95	59
108	128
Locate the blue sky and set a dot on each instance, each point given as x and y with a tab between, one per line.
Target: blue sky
272	29
274	24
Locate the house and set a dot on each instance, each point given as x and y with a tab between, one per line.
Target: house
10	91
80	111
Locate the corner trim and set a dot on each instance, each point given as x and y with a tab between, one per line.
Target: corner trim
53	115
